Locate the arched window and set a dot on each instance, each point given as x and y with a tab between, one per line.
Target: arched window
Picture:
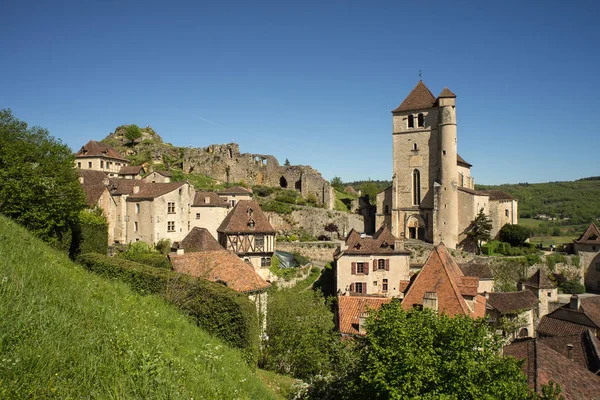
421	120
411	121
416	187
283	182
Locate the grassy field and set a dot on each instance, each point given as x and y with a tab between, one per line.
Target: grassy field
66	333
548	240
342	199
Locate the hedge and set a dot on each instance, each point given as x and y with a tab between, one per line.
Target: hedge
221	311
155	260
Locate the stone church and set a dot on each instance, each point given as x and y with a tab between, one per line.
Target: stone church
433	196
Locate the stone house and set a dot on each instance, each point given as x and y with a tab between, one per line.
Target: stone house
94	185
587	247
235	194
131	172
483	272
432	196
247	232
352	311
376	265
576	317
442	286
544	289
98	156
158	177
516	308
208	211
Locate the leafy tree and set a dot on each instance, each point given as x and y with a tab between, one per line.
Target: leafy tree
479	230
331	227
337	183
287	162
132	133
370	188
39	187
420	354
516	235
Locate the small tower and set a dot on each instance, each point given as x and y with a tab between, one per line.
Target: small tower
446	198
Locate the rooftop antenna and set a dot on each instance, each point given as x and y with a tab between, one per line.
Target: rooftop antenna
420	75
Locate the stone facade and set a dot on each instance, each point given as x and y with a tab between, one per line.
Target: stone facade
587	247
313	220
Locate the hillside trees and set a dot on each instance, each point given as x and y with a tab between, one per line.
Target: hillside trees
39	187
132	133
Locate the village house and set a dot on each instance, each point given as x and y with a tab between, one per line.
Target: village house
158	177
576	317
544	289
94	185
583	349
247	232
209	211
432	195
587	247
235	194
377	265
132	172
442	286
98	156
513	313
352	312
482	271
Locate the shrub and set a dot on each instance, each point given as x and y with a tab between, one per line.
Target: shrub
516	235
219	310
90	234
533	259
164	246
155	260
300	259
287	196
323	238
572	287
277	207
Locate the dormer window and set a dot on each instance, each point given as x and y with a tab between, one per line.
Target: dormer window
250	212
251	224
411	121
421	120
357	246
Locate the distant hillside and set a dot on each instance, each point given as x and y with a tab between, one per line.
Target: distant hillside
66	333
579	201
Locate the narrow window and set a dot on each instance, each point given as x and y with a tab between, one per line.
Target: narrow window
197	215
415	147
387	209
171	208
101	164
79	165
89	164
411	121
135	227
137	208
189	225
506	213
381	263
416	187
170	226
360	268
384	286
421	119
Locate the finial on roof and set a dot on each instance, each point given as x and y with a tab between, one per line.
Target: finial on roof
420	75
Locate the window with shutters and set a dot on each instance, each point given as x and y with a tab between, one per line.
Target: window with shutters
360	268
171	208
381	264
384	286
359	287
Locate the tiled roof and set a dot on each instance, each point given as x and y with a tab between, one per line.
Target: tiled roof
93	193
419	98
92	177
591	235
122	186
150	191
235	190
495	194
511	302
549	326
543	364
441	274
540	280
586	348
480	270
168	174
471	191
590	306
381	243
131	170
239	220
446	93
199	239
351	307
213	200
98	149
220	266
461	161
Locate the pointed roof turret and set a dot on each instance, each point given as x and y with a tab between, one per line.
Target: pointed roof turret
540	280
419	98
591	235
446	93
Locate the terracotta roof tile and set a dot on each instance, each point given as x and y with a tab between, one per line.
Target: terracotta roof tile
543	364
98	149
446	93
235	190
91	177
150	191
441	274
351	307
585	351
220	266
213	200
419	98
132	170
549	326
539	280
480	270
495	194
381	243
461	161
511	302
199	239
591	235
239	220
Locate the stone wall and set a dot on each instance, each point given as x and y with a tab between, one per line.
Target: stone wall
313	220
313	251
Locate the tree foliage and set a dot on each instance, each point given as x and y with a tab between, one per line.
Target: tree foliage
480	228
133	132
337	183
39	188
516	235
371	189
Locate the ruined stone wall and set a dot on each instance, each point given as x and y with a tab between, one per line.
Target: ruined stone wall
313	220
313	251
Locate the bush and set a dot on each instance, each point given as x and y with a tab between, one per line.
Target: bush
572	287
516	235
90	233
533	259
300	259
277	207
323	238
287	196
154	260
219	310
163	246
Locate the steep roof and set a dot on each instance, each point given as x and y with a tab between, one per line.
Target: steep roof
461	161
213	200
441	274
543	364
235	190
480	270
419	98
120	186
495	194
168	174
245	214
150	191
98	149
540	280
351	307
512	302
220	266
382	242
590	236
567	321
93	193
586	348
446	93
92	177
131	170
199	239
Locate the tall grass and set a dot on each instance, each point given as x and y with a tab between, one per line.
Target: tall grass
66	333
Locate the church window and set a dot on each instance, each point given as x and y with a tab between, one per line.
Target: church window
416	187
411	121
420	119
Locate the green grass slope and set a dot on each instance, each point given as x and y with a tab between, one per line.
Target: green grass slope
66	333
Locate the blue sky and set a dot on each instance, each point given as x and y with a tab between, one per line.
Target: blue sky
314	82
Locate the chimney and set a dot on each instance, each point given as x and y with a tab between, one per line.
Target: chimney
180	251
570	351
207	200
487	295
398	245
520	287
575	303
81	180
136	189
361	322
105	181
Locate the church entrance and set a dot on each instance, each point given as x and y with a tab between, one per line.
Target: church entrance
415	227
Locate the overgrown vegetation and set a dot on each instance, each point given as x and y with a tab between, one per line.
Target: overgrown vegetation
143	253
90	233
219	310
66	333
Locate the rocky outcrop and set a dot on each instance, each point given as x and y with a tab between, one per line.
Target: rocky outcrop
313	220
